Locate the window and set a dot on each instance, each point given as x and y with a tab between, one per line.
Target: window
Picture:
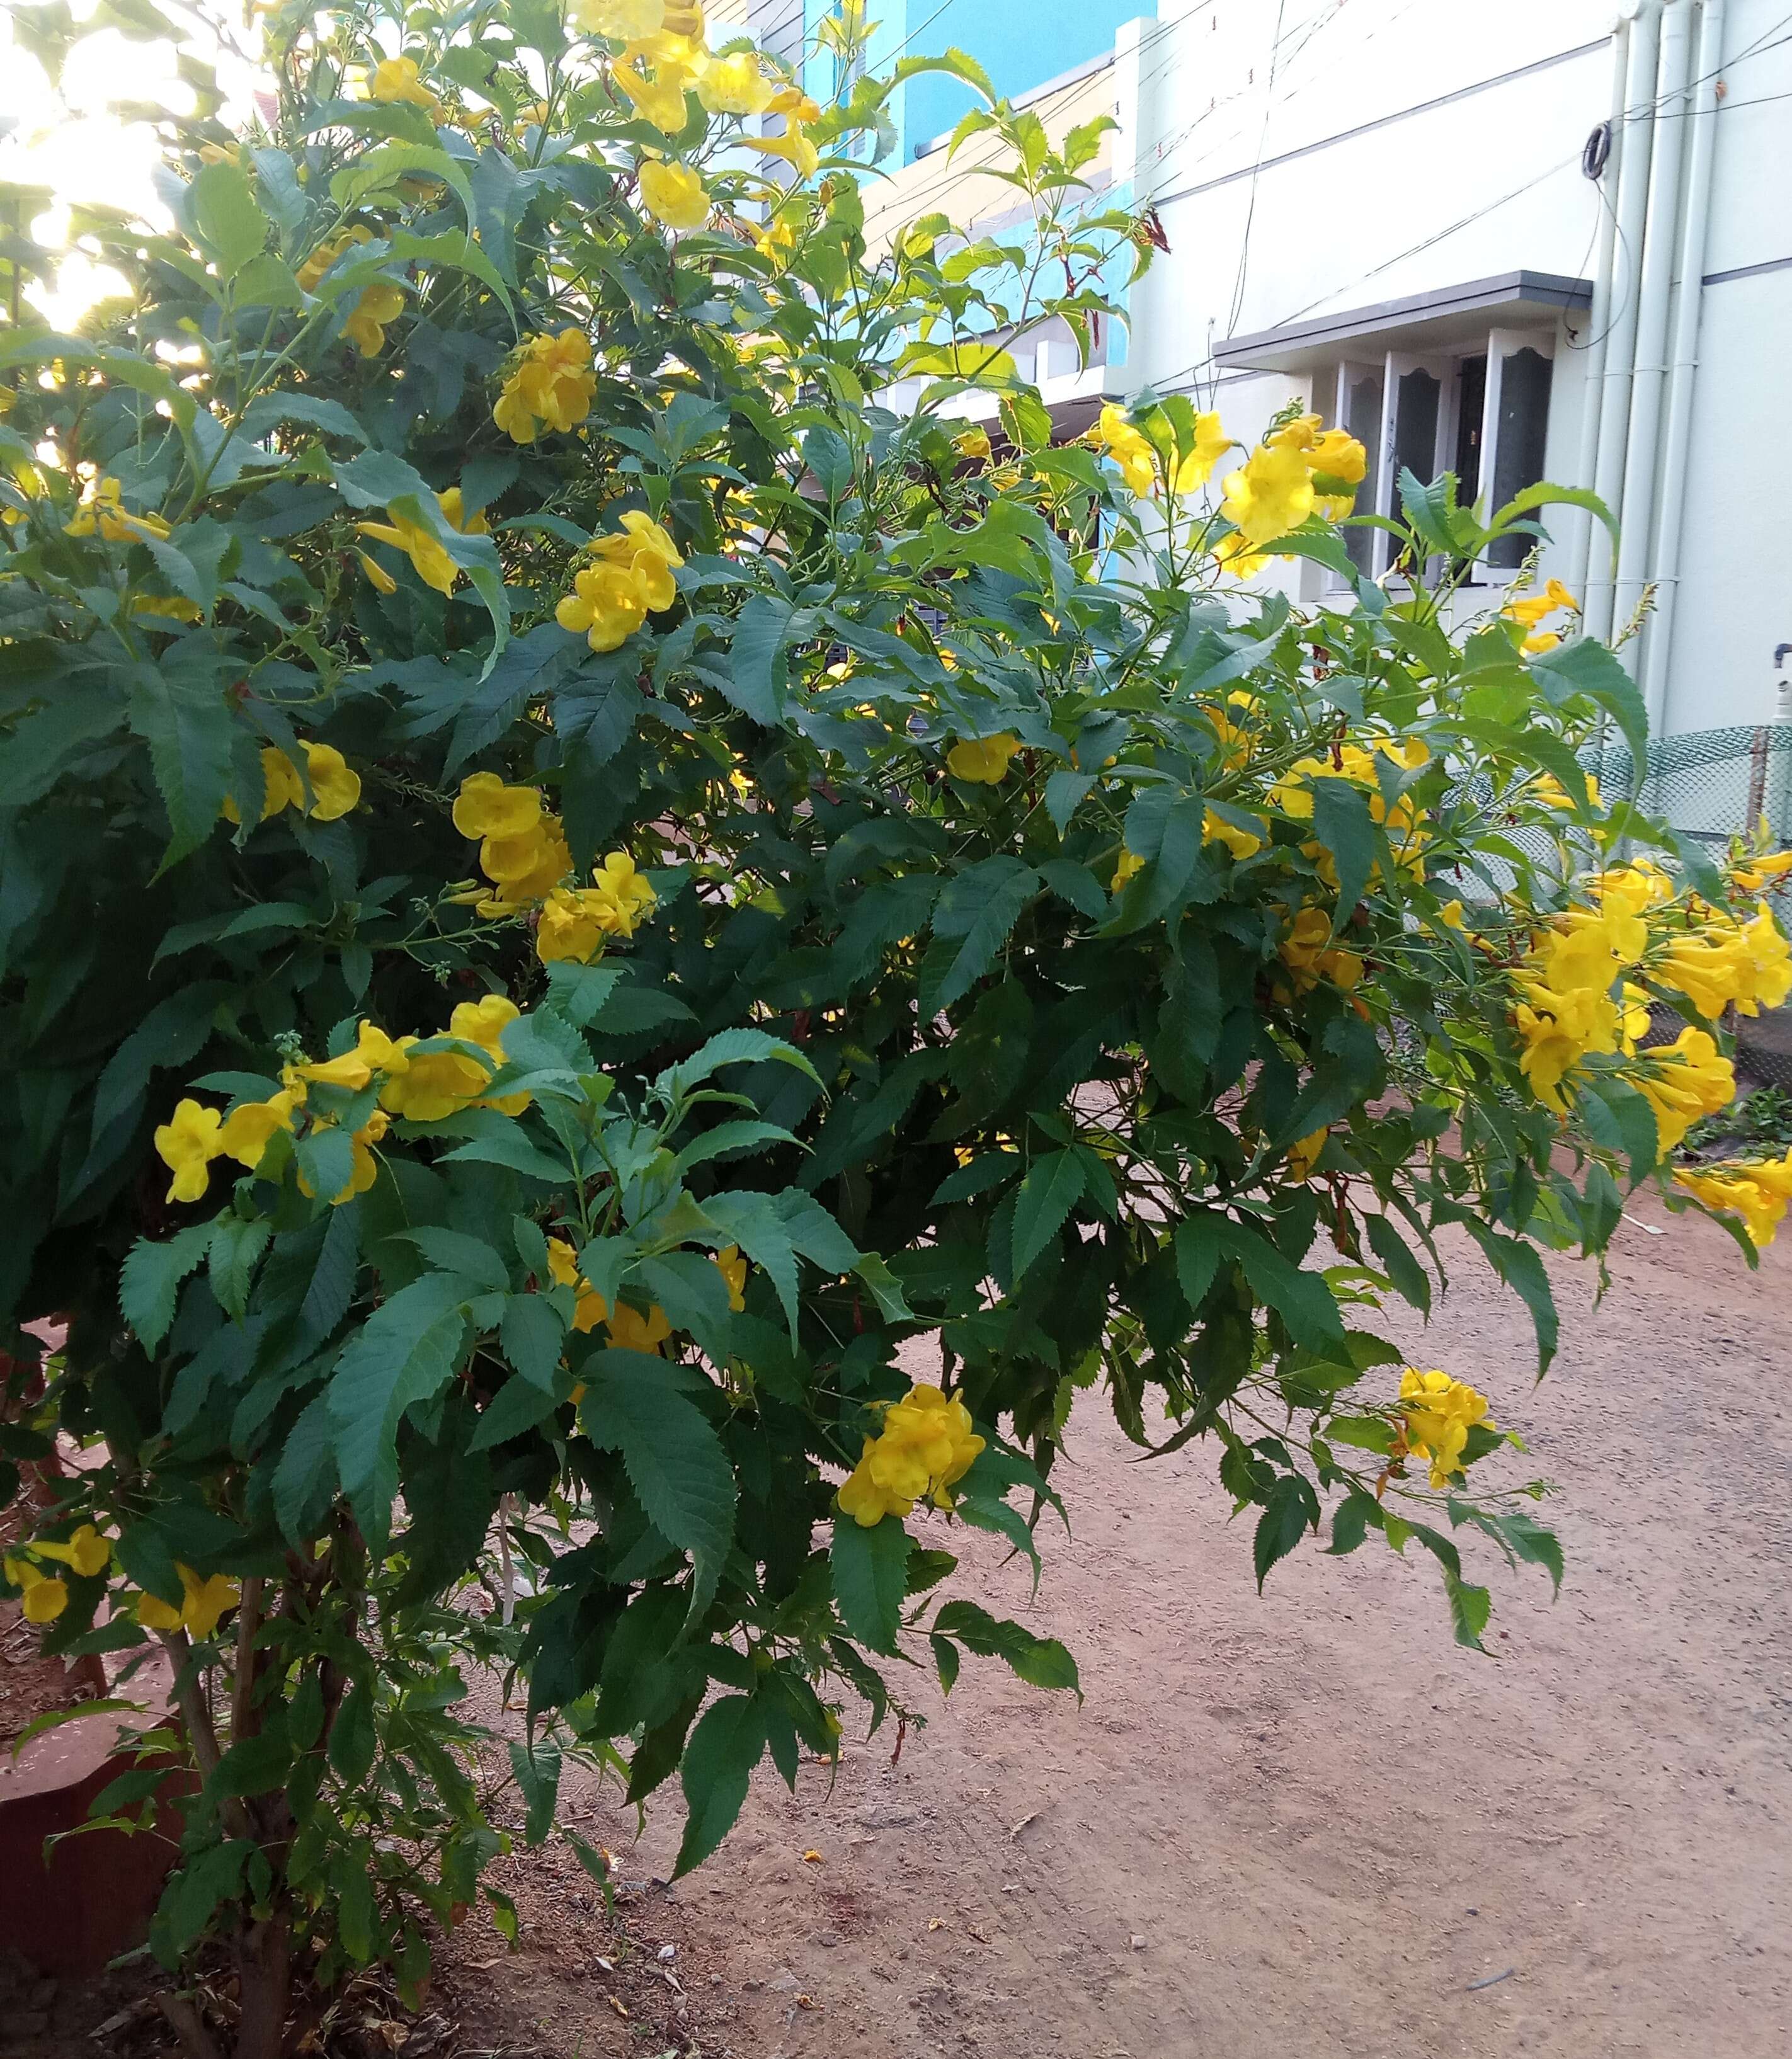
1483	414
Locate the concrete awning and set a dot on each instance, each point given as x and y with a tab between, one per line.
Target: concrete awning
1445	320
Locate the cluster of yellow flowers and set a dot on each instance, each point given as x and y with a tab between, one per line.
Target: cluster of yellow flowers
553	387
522	848
1311	956
379	304
629	1329
44	1596
1757	1190
629	577
523	851
926	1445
576	920
1408	826
1297	470
1440	1413
425	1087
428	556
1535	609
1574	1000
335	787
1145	467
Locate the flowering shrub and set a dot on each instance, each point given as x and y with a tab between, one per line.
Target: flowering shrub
574	880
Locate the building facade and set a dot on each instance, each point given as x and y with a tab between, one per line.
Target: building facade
1511	238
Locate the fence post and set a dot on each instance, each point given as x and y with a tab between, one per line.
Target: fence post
1758	781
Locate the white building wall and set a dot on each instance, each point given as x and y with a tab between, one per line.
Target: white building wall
1318	174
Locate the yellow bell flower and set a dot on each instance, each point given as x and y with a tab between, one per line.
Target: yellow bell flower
207	1601
398	79
281	787
1688	1079
1212	443
483	1022
1269	495
606	602
1757	1192
927	1444
376	574
590	1308
43	1596
631	1331
1241	843
1310	955
327	253
732	1268
380	304
1535	608
734	84
486	808
972	445
1128	865
660	98
428	556
86	1553
982	761
675	195
569	931
626	899
249	1129
336	788
1303	1153
553	384
186	1144
433	1086
1440	1413
102	513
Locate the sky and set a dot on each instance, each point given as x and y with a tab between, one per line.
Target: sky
70	141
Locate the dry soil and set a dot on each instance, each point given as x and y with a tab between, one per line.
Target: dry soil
1303	1824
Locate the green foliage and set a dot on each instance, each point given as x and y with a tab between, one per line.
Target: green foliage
1026	969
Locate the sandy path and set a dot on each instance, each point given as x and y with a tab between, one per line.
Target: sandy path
1309	1824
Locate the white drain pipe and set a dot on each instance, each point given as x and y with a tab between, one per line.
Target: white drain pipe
1632	208
1682	374
1598	320
1660	252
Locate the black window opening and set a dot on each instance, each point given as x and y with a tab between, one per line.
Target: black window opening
1418	397
1521	436
1363	418
1472	401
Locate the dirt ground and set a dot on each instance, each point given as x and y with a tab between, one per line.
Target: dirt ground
1309	1824
1306	1824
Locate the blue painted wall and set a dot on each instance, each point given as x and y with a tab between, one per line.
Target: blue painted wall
1020	43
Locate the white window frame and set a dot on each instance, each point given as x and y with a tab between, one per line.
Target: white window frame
1378	495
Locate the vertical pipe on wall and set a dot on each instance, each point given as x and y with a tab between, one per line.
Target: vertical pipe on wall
1682	374
1654	299
1632	206
1599	316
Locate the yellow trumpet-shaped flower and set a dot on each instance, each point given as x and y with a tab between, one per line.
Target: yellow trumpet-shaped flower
102	513
428	556
607	603
734	84
186	1144
982	761
732	1268
675	195
379	305
335	787
927	1444
86	1553
398	79
486	808
1440	1413
1271	493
